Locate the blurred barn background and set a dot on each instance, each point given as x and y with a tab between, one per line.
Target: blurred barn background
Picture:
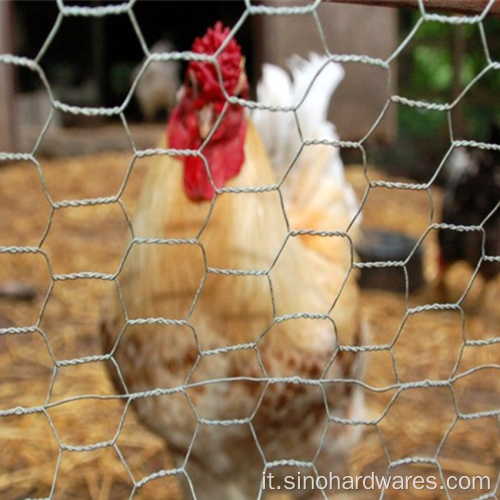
91	60
59	443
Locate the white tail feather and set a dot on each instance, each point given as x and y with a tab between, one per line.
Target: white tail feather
314	82
316	177
275	91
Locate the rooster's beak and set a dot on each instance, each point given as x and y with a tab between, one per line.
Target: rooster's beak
205	120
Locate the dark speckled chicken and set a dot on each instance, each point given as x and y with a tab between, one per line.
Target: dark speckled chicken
472	198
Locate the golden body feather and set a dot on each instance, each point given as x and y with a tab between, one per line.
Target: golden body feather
255	310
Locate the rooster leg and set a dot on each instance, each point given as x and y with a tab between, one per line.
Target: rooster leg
224	485
440	288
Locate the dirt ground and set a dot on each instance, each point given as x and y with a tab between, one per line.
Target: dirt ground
451	428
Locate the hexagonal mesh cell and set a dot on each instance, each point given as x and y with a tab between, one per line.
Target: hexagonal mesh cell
290	287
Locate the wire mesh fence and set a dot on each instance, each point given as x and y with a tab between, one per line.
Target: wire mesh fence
155	346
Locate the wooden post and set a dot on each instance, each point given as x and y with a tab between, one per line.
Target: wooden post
469	7
7	113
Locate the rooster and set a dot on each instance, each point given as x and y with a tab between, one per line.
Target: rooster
237	317
471	198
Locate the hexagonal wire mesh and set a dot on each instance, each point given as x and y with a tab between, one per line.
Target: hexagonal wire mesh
242	345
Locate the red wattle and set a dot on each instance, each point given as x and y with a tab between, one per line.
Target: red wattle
224	152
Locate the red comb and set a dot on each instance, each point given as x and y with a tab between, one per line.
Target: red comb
230	61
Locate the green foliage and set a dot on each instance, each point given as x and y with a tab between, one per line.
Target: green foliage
440	62
432	68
